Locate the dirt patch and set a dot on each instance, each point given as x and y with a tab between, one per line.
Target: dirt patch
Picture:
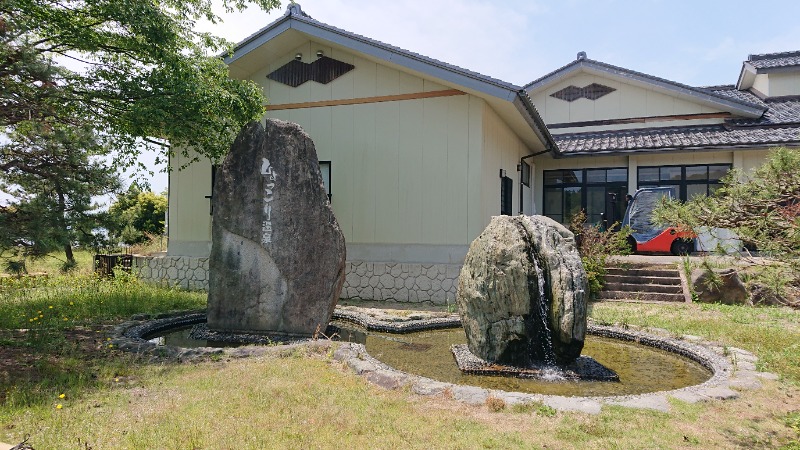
21	357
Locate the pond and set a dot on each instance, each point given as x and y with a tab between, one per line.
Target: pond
641	368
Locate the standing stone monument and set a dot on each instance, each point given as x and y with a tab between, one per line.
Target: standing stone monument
522	293
278	255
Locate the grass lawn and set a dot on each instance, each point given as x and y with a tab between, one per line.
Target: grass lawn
65	387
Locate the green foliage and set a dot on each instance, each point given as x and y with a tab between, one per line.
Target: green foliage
64	301
762	207
537	407
595	246
16	267
50	264
136	215
148	74
792	420
53	171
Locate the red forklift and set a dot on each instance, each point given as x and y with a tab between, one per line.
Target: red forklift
647	237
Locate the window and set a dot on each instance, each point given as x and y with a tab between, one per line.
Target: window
506	199
325	168
689	181
599	192
211	196
525	173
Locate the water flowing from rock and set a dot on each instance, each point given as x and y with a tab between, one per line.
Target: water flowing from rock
544	351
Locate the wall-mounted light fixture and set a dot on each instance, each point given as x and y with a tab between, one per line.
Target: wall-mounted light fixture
502	173
298	56
320	53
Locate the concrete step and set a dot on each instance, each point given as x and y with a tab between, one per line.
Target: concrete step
642	296
674	288
663	272
630	300
642	283
672	280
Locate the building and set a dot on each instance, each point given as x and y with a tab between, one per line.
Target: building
418	155
618	130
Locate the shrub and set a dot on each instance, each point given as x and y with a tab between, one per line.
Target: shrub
595	246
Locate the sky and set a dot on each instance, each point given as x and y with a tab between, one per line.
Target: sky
699	42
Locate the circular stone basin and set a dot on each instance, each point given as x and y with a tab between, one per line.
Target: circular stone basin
641	368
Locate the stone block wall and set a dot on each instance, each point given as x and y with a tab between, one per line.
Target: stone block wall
183	271
399	282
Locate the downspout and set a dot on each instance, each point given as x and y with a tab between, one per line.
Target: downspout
525	105
521	185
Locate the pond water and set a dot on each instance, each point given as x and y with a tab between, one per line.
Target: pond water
641	368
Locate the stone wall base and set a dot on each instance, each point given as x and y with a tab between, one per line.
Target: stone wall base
401	282
186	272
365	280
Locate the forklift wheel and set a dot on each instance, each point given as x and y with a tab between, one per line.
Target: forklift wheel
680	247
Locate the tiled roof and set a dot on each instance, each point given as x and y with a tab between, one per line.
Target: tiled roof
730	90
774	60
675	138
780	110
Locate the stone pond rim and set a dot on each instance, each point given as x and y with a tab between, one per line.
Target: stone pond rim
133	336
278	254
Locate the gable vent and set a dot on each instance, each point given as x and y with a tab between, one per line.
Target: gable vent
591	92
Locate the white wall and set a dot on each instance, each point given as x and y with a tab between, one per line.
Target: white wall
626	101
189	218
404	174
503	150
784	83
400	170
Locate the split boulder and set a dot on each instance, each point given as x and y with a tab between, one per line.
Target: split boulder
522	293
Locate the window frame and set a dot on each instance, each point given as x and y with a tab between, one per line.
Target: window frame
683	183
581	177
323	165
506	196
525	174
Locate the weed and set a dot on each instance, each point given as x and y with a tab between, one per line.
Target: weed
495	404
595	246
447	393
792	420
713	281
15	267
537	407
691	440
